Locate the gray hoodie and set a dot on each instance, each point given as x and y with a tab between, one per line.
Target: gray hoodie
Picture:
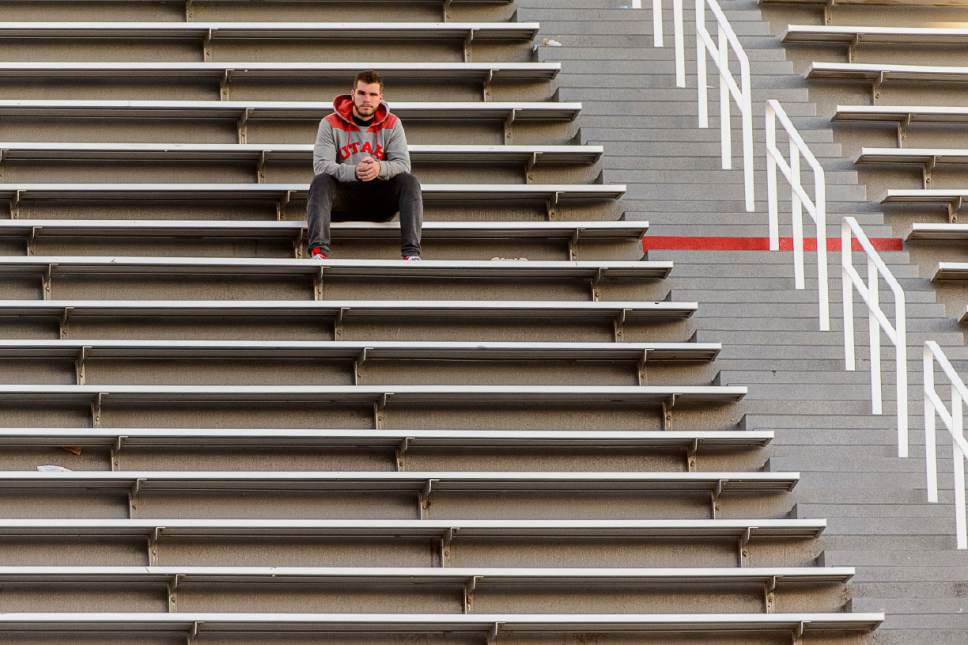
341	144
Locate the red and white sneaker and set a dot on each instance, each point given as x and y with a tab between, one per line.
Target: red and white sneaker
412	258
316	253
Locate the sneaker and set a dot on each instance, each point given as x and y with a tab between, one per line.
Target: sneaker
412	258
316	253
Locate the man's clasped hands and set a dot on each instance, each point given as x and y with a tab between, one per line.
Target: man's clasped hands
368	169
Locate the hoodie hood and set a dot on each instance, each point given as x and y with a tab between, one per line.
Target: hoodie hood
343	107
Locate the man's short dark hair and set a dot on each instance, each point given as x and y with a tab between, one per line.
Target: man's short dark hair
368	77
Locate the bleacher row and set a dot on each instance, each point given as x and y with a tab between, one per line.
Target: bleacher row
902	54
209	436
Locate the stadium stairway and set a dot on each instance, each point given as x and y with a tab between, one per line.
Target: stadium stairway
535	435
878	516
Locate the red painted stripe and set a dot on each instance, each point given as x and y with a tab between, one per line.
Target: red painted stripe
685	243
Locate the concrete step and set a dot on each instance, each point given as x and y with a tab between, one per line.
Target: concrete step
848	420
760	309
823	342
767	257
618	172
791	296
632	68
898	526
858	506
653	132
880	441
807	379
575	90
570	53
840	171
610	15
723	217
684	105
672	228
712	324
914	559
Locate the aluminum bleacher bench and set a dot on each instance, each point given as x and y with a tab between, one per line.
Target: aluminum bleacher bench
849	35
394	445
486	626
926	158
900	117
223	191
596	230
919	156
214	31
281	194
493	269
386	439
380	395
361	351
262	153
450	579
569	233
950	271
275	71
150	533
337	311
942	232
726	530
416	483
244	111
950	198
879	73
897	115
375	398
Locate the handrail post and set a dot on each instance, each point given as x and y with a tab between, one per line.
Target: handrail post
747	115
901	366
701	66
930	447
820	204
796	209
957	431
874	331
725	118
657	39
846	247
772	197
679	38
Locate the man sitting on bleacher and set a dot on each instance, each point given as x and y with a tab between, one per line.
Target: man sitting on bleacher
362	168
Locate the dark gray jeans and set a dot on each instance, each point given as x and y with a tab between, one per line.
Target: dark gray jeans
372	201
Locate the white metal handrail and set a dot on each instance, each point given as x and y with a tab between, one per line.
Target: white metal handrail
678	34
816	207
954	422
877	320
741	93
